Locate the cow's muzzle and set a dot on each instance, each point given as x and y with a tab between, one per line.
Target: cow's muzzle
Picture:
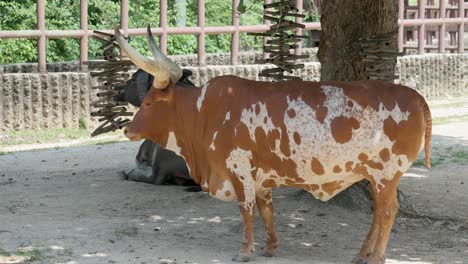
131	136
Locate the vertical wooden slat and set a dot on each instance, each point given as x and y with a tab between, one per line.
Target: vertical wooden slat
422	28
84	39
163	25
442	4
41	43
201	36
235	35
461	26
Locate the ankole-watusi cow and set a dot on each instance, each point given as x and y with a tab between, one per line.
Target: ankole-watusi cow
242	138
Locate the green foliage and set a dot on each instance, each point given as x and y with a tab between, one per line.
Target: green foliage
40	136
443	157
18	15
82	124
104	14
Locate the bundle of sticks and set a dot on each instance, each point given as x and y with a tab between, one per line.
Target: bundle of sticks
282	40
379	55
111	72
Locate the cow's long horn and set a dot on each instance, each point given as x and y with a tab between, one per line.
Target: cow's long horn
174	69
161	74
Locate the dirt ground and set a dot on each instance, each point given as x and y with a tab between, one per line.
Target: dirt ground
69	205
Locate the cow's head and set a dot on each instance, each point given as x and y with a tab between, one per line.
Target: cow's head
158	104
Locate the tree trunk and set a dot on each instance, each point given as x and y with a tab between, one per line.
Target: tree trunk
344	23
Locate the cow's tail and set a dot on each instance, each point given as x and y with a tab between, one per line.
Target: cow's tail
428	133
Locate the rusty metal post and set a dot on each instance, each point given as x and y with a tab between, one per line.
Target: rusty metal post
124	17
268	23
299	6
163	25
201	36
442	4
84	38
123	22
41	42
422	28
461	26
235	34
401	28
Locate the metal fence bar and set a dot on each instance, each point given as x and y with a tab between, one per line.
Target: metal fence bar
422	27
433	21
235	34
163	25
267	23
123	22
442	11
401	31
42	34
84	38
461	26
124	16
299	7
78	33
202	35
41	42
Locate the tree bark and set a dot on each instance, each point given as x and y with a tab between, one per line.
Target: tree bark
344	23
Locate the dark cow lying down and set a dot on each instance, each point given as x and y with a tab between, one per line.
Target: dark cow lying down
157	165
242	138
154	164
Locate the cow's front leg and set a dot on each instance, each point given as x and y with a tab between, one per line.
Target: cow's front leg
265	207
247	209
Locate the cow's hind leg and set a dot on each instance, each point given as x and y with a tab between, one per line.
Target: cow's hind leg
246	199
385	209
265	206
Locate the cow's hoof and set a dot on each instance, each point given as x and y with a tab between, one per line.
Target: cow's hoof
124	174
241	257
369	260
357	260
268	254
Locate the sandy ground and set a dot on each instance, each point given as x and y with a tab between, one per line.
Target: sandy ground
69	205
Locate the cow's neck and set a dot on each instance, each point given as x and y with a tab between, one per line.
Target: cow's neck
188	122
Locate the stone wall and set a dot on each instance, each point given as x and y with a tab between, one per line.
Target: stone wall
69	66
245	58
32	100
435	75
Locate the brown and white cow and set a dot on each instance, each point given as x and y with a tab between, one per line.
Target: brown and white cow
243	138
